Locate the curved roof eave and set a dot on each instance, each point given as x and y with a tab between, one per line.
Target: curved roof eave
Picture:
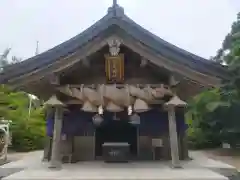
181	56
201	64
56	52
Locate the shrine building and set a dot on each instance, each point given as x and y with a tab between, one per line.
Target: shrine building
115	85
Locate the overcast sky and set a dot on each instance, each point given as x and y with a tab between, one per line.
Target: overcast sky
198	26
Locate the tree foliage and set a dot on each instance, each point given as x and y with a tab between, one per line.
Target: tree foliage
213	115
27	130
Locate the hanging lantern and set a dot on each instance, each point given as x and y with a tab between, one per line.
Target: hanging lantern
134	119
88	107
140	106
97	120
113	107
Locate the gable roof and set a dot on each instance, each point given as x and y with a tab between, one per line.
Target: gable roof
115	17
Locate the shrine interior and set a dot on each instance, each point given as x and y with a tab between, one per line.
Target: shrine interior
116	131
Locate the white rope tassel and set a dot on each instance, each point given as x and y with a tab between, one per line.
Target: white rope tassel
129	105
100	108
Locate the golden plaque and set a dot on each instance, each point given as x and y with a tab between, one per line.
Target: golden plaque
114	68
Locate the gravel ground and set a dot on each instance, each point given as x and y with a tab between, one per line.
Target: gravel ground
227	156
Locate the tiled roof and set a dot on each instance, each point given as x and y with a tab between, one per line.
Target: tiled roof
114	17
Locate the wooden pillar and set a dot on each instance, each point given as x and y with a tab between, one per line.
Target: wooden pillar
173	137
53	102
174	102
47	144
47	149
55	161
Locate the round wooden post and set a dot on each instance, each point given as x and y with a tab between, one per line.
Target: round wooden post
173	137
55	160
174	102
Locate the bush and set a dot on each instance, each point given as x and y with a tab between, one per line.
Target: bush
203	120
28	134
202	139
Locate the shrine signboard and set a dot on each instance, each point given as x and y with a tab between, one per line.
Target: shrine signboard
114	66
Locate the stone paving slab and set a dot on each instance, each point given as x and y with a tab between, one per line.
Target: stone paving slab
116	173
7	172
34	169
224	169
204	161
29	160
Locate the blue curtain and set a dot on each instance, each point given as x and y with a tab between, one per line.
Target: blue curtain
153	122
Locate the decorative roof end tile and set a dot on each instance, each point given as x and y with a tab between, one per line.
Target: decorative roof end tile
116	10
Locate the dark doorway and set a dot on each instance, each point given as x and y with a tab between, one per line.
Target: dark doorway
116	131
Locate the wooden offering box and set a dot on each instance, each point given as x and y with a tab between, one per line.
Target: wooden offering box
116	152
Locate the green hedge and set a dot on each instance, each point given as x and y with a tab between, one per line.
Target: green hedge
28	135
27	131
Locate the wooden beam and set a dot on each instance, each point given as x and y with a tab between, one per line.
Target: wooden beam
144	62
173	81
86	62
119	85
156	102
54	79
